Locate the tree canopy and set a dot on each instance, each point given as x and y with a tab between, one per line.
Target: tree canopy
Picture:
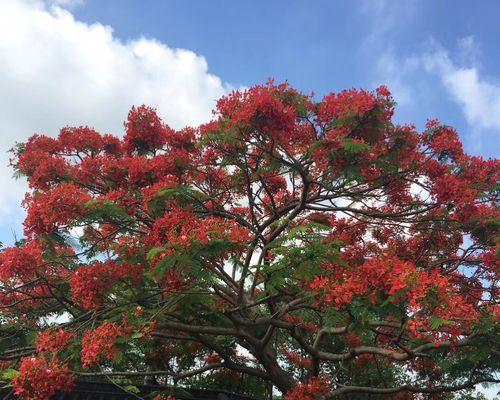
295	247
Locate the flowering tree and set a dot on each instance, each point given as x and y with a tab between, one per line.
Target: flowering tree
313	249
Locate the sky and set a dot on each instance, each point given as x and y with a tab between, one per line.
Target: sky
74	62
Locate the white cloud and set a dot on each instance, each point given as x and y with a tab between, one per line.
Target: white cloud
57	71
478	97
411	77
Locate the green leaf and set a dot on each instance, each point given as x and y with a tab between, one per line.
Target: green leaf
154	252
355	147
165	264
436	322
107	211
9	374
131	389
137	335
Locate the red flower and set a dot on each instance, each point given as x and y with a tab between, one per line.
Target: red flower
145	131
20	262
99	344
89	283
296	359
312	389
40	379
213	359
345	104
54	209
50	341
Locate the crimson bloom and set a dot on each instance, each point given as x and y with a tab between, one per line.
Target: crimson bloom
308	246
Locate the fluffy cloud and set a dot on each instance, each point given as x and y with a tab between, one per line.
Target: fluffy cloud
413	77
57	71
478	97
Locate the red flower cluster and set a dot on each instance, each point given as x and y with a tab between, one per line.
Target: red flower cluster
183	228
443	140
40	379
388	275
99	344
213	359
300	323
39	160
312	389
50	341
89	283
296	359
261	107
265	112
85	140
54	209
423	292
348	103
145	131
20	262
353	340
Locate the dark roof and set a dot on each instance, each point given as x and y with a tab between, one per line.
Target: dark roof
108	391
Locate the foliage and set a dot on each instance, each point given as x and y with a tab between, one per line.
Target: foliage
312	249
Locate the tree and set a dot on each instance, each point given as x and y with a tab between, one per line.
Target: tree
315	249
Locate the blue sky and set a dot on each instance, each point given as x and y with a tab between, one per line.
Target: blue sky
87	61
322	46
